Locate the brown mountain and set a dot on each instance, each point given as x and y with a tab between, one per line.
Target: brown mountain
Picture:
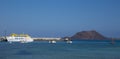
88	35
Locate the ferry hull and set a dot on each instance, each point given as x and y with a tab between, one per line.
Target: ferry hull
19	39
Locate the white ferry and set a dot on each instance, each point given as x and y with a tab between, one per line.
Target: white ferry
23	38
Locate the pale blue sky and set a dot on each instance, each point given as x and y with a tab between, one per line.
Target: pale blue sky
59	18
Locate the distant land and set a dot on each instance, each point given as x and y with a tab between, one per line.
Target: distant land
83	35
88	35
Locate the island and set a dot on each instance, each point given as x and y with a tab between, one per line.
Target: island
88	35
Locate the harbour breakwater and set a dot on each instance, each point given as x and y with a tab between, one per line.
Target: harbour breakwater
39	39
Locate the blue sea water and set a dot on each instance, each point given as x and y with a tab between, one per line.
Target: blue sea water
83	49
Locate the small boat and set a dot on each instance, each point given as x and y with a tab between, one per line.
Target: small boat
69	41
23	38
52	41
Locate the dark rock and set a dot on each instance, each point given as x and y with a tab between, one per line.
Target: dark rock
88	35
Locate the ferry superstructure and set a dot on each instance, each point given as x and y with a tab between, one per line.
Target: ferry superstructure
23	38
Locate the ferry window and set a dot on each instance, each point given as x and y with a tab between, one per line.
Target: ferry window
19	38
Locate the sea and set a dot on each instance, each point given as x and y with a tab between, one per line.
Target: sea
79	49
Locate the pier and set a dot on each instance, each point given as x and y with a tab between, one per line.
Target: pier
49	39
53	40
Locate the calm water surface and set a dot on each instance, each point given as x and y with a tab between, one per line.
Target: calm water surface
60	50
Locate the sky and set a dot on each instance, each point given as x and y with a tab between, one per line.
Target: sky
59	18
